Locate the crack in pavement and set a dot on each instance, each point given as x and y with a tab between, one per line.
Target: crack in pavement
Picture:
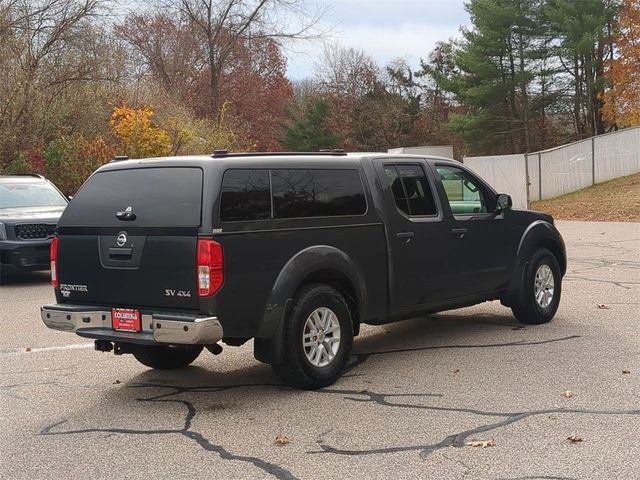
186	431
620	284
268	467
458	439
591	265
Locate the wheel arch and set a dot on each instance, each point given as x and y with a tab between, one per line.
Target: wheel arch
316	264
540	234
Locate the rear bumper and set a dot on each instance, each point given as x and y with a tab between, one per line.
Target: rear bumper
157	327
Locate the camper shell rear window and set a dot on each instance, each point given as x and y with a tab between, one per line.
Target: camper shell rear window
159	197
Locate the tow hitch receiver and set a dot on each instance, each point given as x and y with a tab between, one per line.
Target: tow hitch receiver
116	348
103	345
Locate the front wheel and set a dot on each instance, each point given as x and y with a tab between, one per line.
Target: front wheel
541	287
318	338
167	358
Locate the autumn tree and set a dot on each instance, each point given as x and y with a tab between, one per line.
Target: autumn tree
225	25
344	77
209	58
201	136
52	50
138	136
68	161
621	103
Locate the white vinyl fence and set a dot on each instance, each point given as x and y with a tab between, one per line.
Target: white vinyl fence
558	171
505	173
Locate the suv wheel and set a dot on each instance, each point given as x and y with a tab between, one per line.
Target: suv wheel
541	287
318	338
167	358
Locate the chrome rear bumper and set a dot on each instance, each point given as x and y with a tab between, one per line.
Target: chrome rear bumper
157	327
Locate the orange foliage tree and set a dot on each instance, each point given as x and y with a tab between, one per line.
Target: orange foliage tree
137	134
621	103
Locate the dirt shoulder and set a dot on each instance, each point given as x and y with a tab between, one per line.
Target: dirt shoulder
617	200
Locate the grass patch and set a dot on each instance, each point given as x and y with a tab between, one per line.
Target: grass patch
617	200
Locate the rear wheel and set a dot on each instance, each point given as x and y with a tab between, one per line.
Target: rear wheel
541	287
318	338
167	358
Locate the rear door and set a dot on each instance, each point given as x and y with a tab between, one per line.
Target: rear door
129	238
418	238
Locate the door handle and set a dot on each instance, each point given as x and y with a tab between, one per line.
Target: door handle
406	235
120	253
459	232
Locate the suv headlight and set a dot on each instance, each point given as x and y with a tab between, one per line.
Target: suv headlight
3	232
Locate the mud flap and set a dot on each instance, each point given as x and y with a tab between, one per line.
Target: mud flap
271	350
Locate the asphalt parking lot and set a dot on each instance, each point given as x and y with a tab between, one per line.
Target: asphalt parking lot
415	393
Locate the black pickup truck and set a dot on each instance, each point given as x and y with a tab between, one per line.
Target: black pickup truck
163	257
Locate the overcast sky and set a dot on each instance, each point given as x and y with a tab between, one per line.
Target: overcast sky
385	29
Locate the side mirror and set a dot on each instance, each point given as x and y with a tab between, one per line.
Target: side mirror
504	202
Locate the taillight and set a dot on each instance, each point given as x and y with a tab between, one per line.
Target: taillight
210	267
54	262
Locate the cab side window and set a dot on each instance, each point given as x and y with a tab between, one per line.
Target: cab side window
246	195
411	190
465	193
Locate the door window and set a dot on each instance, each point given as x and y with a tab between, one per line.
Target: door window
411	190
465	193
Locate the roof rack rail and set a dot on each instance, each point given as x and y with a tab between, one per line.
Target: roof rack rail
334	151
120	158
225	154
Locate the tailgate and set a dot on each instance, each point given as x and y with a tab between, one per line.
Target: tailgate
129	239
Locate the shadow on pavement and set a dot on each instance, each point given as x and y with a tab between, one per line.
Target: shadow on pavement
416	336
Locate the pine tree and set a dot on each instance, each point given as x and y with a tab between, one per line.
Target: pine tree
584	33
310	133
496	64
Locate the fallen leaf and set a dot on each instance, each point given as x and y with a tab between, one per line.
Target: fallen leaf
626	372
575	439
281	439
602	306
28	349
567	394
481	443
117	382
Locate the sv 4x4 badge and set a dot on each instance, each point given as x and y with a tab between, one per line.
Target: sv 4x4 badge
177	293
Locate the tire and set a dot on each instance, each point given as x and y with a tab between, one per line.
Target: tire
529	309
167	358
321	362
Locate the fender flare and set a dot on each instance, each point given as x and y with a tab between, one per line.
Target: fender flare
268	344
538	233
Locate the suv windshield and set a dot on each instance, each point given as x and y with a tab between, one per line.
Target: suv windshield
28	194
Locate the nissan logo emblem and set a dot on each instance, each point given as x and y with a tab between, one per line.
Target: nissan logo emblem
122	239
